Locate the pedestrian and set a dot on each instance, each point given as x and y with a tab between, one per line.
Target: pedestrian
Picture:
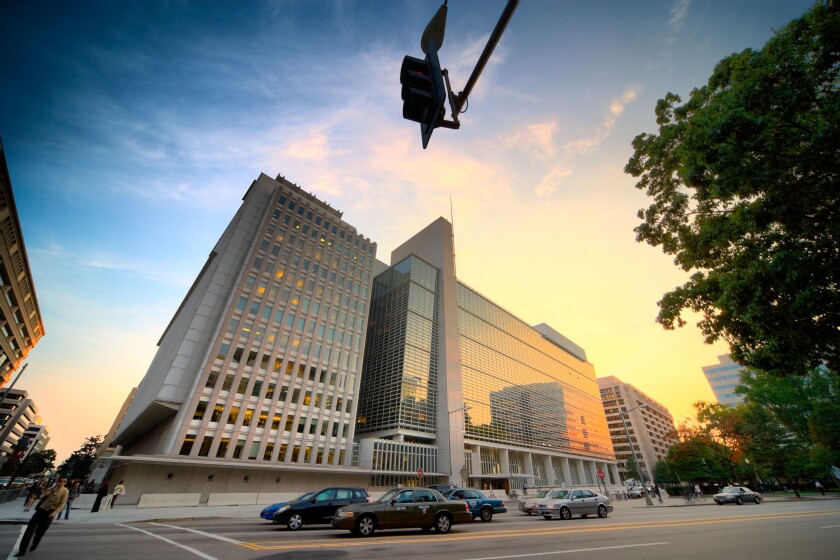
524	488
34	492
820	487
697	491
119	490
52	502
103	491
658	494
72	493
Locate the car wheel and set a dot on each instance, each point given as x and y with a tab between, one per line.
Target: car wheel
546	517
758	499
486	514
365	526
602	511
443	523
295	522
529	512
565	513
739	500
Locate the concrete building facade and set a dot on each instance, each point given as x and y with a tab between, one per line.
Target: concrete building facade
20	317
255	383
650	425
723	377
17	413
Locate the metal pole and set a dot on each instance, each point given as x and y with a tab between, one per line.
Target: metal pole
648	501
461	98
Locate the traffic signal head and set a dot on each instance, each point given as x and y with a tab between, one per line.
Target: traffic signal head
423	92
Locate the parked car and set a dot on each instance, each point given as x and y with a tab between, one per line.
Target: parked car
566	503
736	495
269	511
320	507
635	492
400	508
529	503
481	506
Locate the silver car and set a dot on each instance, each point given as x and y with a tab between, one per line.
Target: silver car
566	503
736	495
527	504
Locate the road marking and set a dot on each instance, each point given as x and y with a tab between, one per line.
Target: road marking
547	531
830	527
164	539
202	533
17	544
569	551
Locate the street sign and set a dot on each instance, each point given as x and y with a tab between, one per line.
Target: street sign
601	475
419	473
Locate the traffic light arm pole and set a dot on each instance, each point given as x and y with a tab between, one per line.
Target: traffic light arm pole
458	102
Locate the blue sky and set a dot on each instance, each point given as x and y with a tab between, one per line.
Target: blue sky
133	129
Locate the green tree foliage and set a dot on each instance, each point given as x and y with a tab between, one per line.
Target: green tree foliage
36	463
80	463
744	182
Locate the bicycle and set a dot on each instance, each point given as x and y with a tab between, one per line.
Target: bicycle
690	497
513	495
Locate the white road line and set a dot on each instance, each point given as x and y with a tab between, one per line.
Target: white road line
14	550
830	527
568	551
202	533
164	539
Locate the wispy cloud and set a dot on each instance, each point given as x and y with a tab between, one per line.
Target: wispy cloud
679	11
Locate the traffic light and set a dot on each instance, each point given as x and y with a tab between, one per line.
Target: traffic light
423	93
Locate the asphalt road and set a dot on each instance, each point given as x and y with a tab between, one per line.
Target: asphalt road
801	530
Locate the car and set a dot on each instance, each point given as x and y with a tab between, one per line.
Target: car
481	506
566	503
635	492
320	507
736	495
269	511
529	503
402	508
441	487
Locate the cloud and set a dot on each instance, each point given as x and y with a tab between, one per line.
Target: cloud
552	180
679	11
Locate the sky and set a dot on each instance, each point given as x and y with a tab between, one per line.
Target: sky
133	129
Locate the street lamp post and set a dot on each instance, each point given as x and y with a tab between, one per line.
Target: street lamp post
648	499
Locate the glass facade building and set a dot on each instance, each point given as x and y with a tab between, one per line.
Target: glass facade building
506	405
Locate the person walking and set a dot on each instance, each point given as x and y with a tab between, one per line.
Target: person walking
103	491
73	493
819	486
50	506
119	490
34	492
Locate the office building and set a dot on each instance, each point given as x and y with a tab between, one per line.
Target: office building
459	390
20	316
648	425
38	436
723	377
17	414
254	387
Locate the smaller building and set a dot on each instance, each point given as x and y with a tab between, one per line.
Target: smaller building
723	378
639	426
17	413
38	436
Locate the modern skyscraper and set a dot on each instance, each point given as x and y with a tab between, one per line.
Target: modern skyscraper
17	413
460	390
20	317
255	382
723	378
650	425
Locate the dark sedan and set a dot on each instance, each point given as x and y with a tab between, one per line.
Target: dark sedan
480	505
736	495
403	508
269	511
318	508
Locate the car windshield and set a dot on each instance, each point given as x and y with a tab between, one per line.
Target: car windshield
731	490
305	496
540	494
559	494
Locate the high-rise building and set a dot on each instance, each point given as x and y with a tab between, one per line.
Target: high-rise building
254	386
648	425
723	377
460	390
20	316
38	436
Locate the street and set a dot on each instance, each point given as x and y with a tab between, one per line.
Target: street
801	529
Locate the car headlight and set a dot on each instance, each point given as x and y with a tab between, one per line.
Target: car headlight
341	513
282	509
551	506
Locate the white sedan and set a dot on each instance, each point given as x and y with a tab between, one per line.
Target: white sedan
566	503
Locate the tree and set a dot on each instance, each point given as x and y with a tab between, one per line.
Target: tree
744	182
38	462
79	464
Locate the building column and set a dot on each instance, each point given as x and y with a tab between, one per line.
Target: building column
615	476
567	473
593	472
581	469
548	466
529	469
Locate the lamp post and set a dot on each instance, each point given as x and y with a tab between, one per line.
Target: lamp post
648	500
